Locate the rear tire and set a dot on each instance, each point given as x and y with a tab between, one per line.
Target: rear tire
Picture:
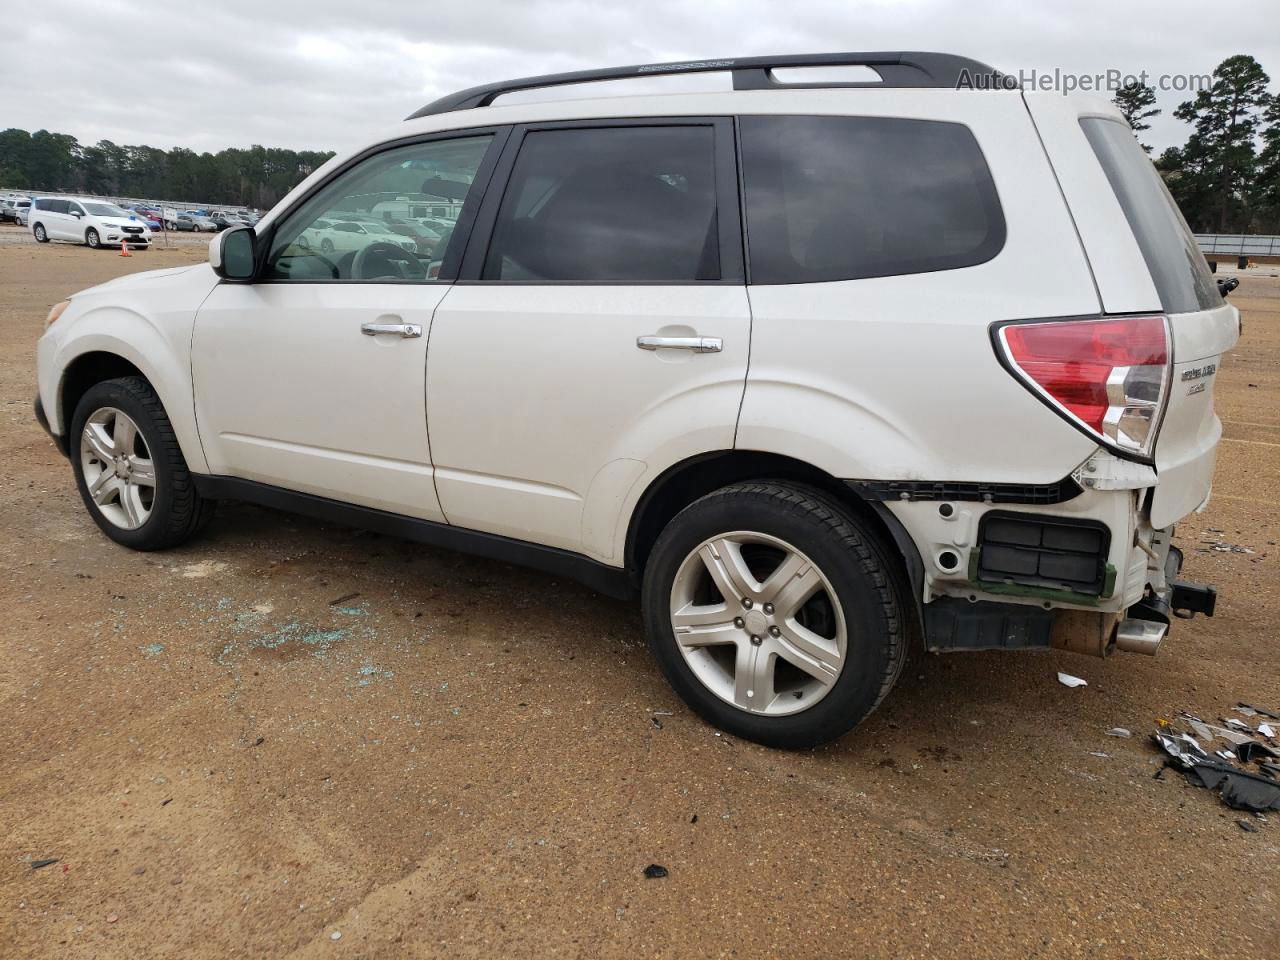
173	512
40	234
821	661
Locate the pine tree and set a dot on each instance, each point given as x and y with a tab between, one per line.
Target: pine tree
1137	101
1219	161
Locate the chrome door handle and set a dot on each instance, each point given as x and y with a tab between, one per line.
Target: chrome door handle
696	344
405	330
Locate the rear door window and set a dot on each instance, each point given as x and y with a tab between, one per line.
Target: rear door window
846	198
1178	268
630	204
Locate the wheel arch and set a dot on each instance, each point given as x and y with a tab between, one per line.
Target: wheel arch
692	478
102	357
86	370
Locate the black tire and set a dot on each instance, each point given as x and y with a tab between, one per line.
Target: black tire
178	512
42	236
845	552
326	245
91	239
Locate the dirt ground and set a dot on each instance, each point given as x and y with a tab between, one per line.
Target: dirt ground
466	759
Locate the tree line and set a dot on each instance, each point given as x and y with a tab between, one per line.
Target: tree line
1226	177
58	163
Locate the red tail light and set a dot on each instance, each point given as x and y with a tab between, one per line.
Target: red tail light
1109	376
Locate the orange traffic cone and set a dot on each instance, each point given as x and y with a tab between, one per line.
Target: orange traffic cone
124	251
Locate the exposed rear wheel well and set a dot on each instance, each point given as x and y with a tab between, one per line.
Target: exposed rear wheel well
86	370
696	477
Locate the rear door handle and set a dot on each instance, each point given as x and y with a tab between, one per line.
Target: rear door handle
405	330
696	344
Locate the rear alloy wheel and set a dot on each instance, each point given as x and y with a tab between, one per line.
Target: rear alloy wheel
758	623
773	614
92	239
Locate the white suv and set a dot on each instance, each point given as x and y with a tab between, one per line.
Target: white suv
95	223
814	369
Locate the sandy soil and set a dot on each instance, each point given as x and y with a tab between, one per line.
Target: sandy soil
461	758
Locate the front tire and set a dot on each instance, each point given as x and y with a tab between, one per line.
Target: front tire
130	470
91	239
41	235
773	614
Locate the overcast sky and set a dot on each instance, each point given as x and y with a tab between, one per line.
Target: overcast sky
313	74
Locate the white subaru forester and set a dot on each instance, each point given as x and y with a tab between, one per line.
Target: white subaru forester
813	368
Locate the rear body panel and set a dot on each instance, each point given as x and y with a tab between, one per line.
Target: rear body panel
893	377
1144	261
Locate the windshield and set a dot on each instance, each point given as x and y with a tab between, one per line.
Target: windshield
105	210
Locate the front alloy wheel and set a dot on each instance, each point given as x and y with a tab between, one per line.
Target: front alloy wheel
130	469
119	473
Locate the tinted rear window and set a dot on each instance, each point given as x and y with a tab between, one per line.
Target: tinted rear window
1178	268
844	198
610	204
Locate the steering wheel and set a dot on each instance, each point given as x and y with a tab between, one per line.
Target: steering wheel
383	260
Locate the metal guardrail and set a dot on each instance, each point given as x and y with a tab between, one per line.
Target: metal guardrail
1239	244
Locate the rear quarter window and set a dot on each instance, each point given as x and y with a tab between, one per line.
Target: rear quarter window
847	198
1178	268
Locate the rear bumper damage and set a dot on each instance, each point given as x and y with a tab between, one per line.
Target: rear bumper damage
952	624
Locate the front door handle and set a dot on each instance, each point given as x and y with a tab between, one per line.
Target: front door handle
696	344
405	330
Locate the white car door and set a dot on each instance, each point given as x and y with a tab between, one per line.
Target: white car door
62	224
311	378
598	333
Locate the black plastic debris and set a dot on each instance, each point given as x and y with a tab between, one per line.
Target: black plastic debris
344	598
1240	790
1257	709
1253	750
655	871
37	864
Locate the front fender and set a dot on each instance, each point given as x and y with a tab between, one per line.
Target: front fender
160	352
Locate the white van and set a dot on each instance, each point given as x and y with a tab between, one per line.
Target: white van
94	223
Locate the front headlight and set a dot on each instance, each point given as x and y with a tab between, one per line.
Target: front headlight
55	312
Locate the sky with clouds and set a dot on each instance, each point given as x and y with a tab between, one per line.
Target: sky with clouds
314	74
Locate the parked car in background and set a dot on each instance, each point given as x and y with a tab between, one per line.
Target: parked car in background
192	222
94	223
345	236
13	208
221	219
24	212
426	238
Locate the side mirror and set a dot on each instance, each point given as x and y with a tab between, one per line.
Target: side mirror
77	214
1227	285
233	253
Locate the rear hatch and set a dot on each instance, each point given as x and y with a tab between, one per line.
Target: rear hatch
1145	261
1202	325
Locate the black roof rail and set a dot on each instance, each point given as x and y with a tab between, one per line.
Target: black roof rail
896	69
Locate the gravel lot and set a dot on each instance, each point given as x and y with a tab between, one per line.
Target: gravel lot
460	758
